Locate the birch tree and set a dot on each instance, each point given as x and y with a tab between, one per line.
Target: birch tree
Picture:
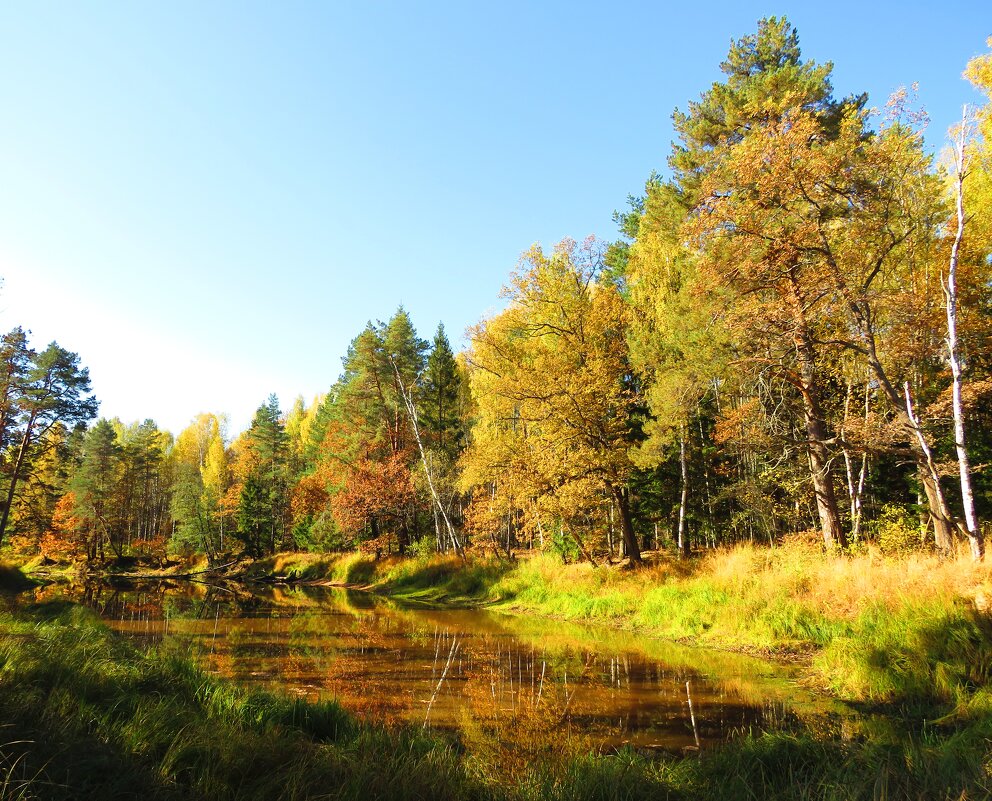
949	285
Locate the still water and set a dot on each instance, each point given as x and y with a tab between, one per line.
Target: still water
533	682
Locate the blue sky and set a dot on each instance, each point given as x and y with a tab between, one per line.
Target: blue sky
207	201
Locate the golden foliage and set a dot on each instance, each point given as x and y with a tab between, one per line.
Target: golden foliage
548	380
63	540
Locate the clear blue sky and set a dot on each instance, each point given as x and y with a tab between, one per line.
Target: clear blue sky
207	201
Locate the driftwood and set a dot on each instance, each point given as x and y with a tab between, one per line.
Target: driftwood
167	576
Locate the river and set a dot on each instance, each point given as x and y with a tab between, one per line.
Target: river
520	681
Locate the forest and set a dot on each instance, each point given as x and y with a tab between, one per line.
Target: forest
790	335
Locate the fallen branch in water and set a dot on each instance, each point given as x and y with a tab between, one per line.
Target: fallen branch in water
163	576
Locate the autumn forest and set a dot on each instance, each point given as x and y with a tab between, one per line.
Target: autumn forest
790	335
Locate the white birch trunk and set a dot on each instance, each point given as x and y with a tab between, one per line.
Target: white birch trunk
439	506
855	488
950	295
848	467
683	464
929	464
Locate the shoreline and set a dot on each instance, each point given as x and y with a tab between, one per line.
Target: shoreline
929	743
787	607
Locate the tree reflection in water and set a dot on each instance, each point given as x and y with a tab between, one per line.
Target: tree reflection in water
513	684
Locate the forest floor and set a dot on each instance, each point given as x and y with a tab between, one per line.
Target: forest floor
907	636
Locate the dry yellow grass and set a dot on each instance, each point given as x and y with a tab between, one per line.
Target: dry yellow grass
841	586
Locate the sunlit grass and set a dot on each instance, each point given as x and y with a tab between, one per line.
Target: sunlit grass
87	716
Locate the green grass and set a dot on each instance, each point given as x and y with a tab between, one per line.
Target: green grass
921	652
86	716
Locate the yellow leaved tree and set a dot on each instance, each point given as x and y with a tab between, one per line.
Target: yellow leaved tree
551	382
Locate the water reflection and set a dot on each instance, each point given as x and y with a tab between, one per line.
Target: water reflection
496	679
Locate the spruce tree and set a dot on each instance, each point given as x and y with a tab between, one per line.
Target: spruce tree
264	501
440	389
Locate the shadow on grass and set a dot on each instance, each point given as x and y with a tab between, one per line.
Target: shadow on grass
13	581
42	760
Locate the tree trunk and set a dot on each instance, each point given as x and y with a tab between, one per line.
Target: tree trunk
683	539
622	497
943	526
509	531
579	543
710	521
435	496
940	516
816	437
609	535
823	486
855	488
950	294
437	530
16	474
861	319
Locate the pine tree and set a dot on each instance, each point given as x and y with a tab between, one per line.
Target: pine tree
440	390
55	390
15	363
95	487
263	503
766	80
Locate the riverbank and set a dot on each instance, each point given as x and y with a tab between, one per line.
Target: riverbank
908	630
87	716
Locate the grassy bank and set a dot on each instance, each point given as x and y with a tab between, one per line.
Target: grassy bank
87	716
910	630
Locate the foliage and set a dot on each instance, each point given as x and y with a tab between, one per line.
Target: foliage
40	393
440	395
262	483
553	423
120	488
894	531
